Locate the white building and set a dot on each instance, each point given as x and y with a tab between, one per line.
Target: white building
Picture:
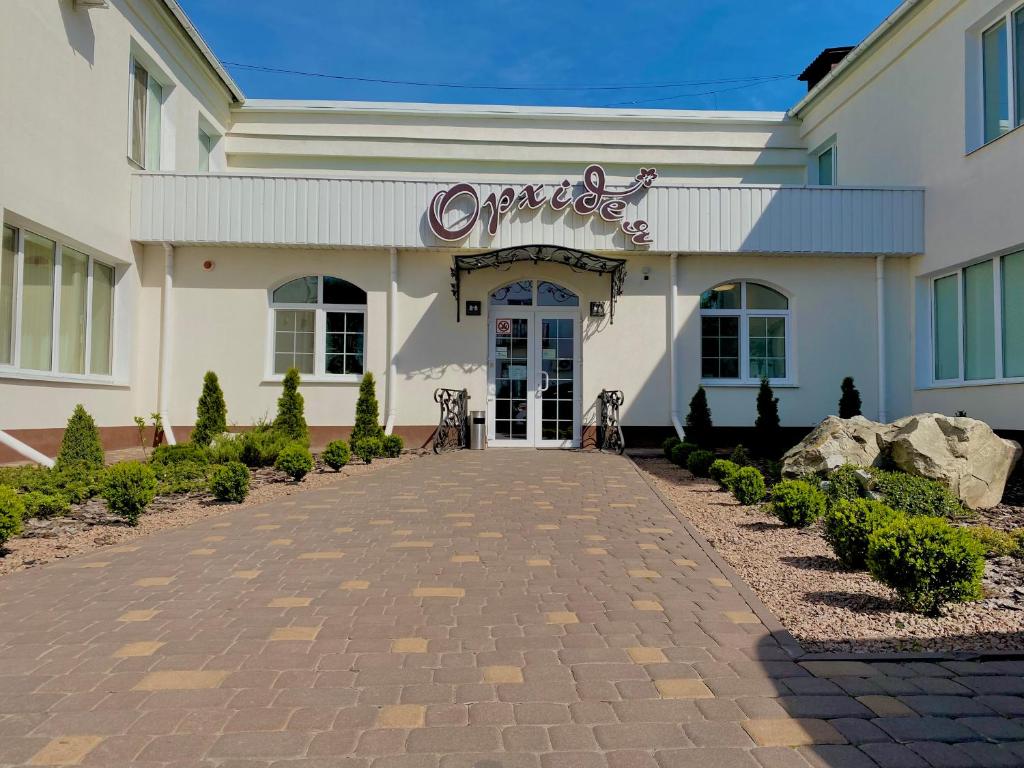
158	225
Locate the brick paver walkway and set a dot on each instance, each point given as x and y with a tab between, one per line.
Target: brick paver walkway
517	608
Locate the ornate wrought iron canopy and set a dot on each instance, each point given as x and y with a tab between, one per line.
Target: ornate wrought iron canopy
577	261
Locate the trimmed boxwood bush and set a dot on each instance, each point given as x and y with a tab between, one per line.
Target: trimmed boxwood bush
180	477
916	495
177	454
128	489
747	485
295	461
848	525
681	453
722	471
12	511
336	455
927	561
700	462
226	448
230	482
843	484
797	503
80	444
668	444
368	448
260	446
391	446
39	504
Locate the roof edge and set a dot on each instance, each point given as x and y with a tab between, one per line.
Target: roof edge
190	29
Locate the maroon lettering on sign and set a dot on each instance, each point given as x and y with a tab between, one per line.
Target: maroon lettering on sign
439	207
596	197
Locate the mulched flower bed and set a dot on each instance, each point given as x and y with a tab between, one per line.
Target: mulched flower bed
829	609
90	525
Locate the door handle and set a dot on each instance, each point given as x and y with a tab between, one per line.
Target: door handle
547	381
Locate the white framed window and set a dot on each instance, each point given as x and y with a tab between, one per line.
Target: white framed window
207	142
996	76
746	334
145	130
977	322
56	308
318	325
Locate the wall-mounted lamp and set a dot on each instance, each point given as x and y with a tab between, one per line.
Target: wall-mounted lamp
597	309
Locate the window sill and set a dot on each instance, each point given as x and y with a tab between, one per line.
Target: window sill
748	384
350	378
968	384
62	378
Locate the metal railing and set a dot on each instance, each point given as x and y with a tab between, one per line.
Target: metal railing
609	433
451	429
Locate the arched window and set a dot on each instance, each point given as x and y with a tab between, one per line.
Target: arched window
319	327
521	294
745	333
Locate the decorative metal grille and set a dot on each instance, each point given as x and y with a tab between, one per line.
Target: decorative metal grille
451	429
609	436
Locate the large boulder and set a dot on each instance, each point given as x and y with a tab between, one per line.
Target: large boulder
962	453
835	442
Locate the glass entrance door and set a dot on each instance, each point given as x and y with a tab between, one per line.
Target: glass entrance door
512	406
558	417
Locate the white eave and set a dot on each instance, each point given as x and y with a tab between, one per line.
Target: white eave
851	59
211	58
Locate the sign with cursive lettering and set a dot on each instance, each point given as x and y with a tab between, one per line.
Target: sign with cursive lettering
595	197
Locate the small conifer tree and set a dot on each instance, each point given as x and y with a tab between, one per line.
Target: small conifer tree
291	421
767	431
80	445
849	403
211	413
367	424
698	420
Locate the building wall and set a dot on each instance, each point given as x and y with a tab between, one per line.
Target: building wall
920	85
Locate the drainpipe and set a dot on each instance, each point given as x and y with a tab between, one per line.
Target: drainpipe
164	395
389	426
27	451
883	416
673	298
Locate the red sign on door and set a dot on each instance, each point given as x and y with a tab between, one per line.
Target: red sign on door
503	327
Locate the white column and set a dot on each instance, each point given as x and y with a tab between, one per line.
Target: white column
880	308
673	380
166	337
392	342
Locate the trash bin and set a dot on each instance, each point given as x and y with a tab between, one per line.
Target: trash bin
477	430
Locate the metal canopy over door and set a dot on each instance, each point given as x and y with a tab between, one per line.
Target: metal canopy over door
533	366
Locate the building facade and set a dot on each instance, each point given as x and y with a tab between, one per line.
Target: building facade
158	225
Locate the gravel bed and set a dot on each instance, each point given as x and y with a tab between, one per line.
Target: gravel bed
827	608
90	526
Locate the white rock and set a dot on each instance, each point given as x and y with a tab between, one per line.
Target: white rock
835	442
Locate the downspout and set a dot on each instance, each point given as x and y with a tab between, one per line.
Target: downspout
880	308
677	421
164	395
27	451
389	426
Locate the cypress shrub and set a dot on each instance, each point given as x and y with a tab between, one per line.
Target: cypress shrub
849	524
797	503
80	445
747	485
367	424
291	421
698	428
767	432
230	482
336	455
295	461
211	413
128	489
12	511
699	463
739	456
849	402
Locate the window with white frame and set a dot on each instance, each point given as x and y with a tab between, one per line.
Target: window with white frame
144	119
319	327
745	333
56	307
206	143
978	322
827	161
1002	75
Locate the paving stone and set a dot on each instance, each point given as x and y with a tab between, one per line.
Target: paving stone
825	707
826	756
792	732
893	755
705	757
939	729
859	731
946	706
995	728
942	755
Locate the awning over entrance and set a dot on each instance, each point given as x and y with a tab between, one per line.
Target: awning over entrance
577	261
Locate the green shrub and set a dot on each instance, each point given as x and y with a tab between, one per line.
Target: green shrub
848	525
225	449
336	455
181	477
767	432
12	512
927	561
80	444
211	412
739	456
230	482
698	429
722	471
75	482
668	444
368	448
916	495
843	484
681	453
996	543
849	402
747	485
699	462
177	454
39	504
295	461
128	489
1018	537
392	446
797	503
291	421
260	446
367	412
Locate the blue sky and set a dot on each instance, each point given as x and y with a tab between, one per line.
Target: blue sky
555	43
